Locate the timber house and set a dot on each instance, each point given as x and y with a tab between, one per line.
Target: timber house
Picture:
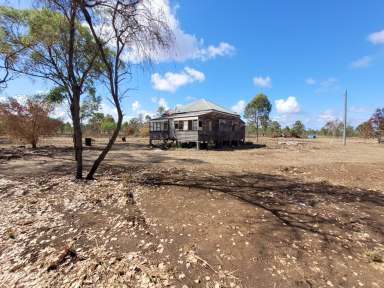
200	122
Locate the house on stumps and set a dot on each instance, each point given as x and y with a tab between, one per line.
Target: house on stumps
200	122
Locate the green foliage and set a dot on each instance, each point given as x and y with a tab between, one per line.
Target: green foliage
65	129
286	131
275	129
39	41
108	124
133	126
90	105
258	107
56	95
298	129
161	110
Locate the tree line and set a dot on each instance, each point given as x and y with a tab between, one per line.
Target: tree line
257	113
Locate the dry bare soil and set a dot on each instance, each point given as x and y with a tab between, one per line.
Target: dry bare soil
295	213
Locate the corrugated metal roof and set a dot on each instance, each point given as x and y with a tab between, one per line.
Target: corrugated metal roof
202	105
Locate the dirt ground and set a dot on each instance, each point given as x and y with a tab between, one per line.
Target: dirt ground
295	213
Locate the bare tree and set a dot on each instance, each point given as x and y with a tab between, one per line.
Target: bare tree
124	26
377	123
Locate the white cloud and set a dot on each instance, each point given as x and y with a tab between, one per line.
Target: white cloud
239	107
362	62
326	116
190	98
288	106
330	82
357	109
211	52
310	81
172	81
263	81
61	112
183	47
376	37
107	109
135	105
197	75
163	103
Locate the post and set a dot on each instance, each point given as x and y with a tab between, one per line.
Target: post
198	145
345	118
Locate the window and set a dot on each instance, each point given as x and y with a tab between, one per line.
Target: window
151	126
210	126
189	124
157	126
234	126
179	125
221	124
165	126
200	125
194	125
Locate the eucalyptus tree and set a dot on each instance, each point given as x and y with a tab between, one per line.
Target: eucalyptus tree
258	108
133	30
56	47
75	42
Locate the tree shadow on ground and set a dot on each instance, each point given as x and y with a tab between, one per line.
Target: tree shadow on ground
329	211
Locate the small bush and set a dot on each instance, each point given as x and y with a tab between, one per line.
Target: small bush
376	255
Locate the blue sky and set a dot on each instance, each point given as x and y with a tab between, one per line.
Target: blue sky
301	54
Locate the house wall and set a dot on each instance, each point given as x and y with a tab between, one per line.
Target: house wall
224	128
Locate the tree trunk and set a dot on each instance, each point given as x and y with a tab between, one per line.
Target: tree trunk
77	135
107	148
257	130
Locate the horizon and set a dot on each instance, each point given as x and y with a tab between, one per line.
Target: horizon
306	60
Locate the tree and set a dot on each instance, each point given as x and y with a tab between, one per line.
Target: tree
160	110
56	47
265	123
108	124
275	129
66	129
259	107
94	123
365	130
333	128
28	121
147	118
377	122
90	105
131	26
133	126
298	129
8	58
286	131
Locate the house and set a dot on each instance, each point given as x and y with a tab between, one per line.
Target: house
199	122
